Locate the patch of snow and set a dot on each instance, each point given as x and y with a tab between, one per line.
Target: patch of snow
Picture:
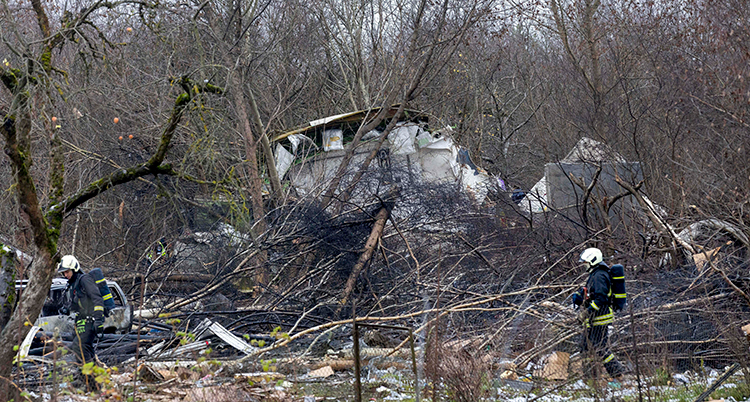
626	392
517	399
579	385
553	398
681	379
395	396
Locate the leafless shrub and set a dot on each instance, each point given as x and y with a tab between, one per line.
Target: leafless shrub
455	373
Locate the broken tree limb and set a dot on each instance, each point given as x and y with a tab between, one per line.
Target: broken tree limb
706	227
377	230
468	306
650	211
609	203
717	383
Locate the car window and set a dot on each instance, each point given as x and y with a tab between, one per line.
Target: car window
115	296
53	303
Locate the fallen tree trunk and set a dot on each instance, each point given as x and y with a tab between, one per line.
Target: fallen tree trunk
718	382
377	230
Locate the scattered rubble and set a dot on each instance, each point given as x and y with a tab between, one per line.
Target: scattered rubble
171	370
555	366
322	372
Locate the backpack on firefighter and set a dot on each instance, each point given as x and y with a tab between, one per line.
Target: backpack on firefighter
619	296
101	282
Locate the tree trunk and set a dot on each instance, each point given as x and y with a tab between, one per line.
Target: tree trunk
251	168
46	227
377	230
587	66
273	174
7	284
29	306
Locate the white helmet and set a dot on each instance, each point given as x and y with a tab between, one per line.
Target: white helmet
68	262
592	256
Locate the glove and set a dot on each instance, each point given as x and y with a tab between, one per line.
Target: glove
99	327
81	326
579	297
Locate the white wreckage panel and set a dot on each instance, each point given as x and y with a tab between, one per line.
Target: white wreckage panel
297	139
402	139
328	119
311	175
229	338
437	165
23	350
591	151
434	159
284	160
535	200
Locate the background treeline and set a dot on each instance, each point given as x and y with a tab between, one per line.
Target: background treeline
664	84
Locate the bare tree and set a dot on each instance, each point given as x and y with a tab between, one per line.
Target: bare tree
30	81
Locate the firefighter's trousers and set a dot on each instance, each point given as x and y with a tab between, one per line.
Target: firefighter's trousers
83	347
83	340
596	339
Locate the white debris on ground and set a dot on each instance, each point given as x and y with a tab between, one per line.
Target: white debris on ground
579	391
681	379
389	376
397	385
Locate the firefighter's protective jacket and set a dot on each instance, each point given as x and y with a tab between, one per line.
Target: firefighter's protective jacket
599	292
85	297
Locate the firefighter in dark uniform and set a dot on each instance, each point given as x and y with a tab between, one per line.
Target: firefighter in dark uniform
86	300
596	312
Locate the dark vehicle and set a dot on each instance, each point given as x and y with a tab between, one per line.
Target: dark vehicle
119	320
